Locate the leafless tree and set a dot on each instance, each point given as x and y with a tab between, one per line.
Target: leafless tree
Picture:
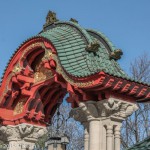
73	129
137	127
70	127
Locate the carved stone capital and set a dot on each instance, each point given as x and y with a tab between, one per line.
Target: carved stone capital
102	121
21	132
115	108
111	108
78	115
85	112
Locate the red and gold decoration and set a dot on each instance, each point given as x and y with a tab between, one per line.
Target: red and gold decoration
35	78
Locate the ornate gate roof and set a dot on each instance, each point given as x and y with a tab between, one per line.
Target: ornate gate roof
63	58
72	43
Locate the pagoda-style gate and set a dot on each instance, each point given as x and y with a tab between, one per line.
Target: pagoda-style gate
65	58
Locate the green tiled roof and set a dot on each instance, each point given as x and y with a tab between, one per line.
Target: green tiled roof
71	40
144	145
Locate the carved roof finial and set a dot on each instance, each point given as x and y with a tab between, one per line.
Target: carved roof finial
93	46
73	20
50	18
116	54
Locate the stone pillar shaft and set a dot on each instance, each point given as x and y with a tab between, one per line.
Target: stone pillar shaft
117	138
86	139
93	134
105	118
109	135
102	141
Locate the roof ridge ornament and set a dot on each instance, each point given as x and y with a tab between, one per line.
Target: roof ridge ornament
93	46
74	20
50	18
116	54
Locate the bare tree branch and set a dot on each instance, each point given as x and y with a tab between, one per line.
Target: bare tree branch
137	127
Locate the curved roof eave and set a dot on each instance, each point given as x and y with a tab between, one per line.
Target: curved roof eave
103	37
83	33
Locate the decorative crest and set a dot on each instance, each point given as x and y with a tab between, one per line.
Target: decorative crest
112	105
116	54
51	18
17	68
73	20
93	46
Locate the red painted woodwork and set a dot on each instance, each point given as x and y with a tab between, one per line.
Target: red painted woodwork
25	100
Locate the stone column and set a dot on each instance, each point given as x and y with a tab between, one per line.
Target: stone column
102	142
86	135
94	137
117	137
105	118
109	134
83	114
22	137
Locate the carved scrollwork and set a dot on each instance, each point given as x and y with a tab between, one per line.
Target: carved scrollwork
130	109
37	133
17	68
21	132
8	133
112	105
60	70
86	111
3	133
19	107
116	108
25	129
42	73
47	55
78	115
92	109
111	108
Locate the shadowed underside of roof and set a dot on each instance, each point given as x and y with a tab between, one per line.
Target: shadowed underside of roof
70	41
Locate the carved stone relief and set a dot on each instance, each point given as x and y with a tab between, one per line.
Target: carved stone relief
19	107
21	132
103	109
116	108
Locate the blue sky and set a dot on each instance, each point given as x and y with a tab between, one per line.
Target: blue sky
125	22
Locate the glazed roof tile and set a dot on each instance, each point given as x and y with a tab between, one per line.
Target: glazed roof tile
71	40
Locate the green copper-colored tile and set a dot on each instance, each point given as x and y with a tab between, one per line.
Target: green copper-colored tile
71	40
